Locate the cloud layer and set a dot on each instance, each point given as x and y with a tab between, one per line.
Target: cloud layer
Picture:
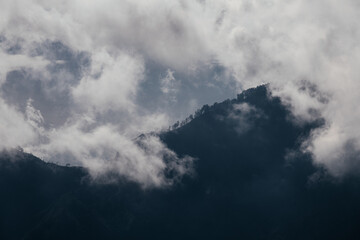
75	71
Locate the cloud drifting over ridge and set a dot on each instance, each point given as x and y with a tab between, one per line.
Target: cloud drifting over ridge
308	51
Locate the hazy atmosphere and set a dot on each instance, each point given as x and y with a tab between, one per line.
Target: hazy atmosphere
80	80
179	119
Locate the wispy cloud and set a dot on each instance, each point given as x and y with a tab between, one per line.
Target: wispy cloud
292	45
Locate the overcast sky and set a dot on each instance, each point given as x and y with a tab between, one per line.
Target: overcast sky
80	79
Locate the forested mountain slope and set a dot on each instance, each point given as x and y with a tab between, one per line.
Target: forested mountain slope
250	181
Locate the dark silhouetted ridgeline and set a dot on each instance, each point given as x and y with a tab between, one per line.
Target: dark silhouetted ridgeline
251	181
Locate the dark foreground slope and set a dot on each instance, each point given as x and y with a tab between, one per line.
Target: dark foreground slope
250	182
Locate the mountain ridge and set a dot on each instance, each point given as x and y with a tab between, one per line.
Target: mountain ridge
251	181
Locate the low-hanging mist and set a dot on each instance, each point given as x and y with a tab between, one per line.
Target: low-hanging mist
80	80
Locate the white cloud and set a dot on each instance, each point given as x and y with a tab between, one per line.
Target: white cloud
17	61
104	150
116	84
14	129
34	116
288	44
169	85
